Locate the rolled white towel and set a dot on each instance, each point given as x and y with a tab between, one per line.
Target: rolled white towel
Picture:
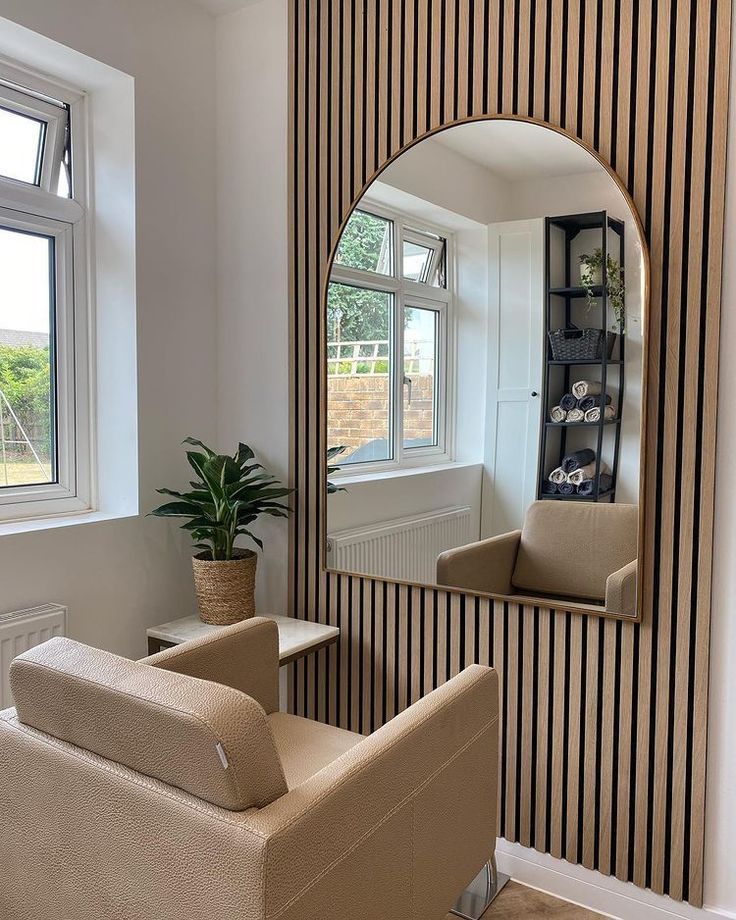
558	476
575	415
594	414
585	472
557	414
586	388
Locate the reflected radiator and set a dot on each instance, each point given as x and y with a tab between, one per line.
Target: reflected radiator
22	630
405	549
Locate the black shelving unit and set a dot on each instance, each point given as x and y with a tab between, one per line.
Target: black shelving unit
563	306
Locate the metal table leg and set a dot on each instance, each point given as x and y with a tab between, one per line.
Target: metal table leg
477	897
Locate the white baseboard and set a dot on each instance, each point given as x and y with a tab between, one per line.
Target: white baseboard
589	889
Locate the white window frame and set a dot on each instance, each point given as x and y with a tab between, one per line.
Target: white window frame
407	294
38	209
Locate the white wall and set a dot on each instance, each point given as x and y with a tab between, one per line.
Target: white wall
253	356
425	169
119	576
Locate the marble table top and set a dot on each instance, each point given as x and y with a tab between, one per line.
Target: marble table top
296	637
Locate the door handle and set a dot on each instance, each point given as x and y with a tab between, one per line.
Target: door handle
534	393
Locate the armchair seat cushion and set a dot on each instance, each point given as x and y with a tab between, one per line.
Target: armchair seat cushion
570	549
305	747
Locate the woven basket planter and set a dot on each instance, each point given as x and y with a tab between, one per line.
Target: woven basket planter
226	591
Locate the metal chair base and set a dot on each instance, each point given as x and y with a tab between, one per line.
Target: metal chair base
480	893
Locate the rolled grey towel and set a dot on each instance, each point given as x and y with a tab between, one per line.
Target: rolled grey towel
594	415
558	476
575	415
578	458
586	388
587	486
549	487
566	488
557	414
588	402
585	472
568	402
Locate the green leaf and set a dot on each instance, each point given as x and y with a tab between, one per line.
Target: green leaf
195	443
242	532
244	454
177	509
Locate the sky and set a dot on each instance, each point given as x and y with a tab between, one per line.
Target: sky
24	259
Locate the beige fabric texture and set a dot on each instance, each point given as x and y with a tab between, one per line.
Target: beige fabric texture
305	747
621	588
244	657
395	827
483	566
568	549
164	725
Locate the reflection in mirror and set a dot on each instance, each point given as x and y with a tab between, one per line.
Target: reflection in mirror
484	353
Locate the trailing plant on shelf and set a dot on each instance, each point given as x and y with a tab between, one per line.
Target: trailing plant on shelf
591	275
229	494
333	452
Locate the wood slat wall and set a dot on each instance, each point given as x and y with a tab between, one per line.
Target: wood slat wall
603	735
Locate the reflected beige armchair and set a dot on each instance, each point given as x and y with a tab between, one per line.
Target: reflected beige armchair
581	551
173	789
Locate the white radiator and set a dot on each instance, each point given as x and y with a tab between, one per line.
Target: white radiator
405	549
22	630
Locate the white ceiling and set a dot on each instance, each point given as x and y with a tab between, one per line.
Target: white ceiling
517	150
218	7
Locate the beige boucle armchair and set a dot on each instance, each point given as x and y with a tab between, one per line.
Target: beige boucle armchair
581	551
173	789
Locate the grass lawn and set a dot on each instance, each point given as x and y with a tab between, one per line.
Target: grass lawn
22	473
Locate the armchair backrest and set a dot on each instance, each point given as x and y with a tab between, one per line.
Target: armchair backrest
569	549
206	739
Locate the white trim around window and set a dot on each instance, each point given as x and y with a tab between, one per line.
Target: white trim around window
425	296
36	209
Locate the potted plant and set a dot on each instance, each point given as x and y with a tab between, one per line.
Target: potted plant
333	452
591	276
228	495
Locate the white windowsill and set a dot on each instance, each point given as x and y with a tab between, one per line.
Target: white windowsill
350	478
32	525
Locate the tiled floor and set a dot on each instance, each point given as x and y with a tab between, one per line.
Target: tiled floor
519	903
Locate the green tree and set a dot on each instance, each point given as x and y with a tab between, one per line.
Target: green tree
356	314
25	379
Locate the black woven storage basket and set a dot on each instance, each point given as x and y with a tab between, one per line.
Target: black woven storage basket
580	344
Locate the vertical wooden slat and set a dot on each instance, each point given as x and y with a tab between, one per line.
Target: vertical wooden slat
641	802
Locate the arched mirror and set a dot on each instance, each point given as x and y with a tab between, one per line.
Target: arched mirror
484	352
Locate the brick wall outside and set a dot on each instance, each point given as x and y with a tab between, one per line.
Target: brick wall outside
357	409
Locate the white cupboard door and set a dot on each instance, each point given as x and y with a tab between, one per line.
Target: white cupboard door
515	371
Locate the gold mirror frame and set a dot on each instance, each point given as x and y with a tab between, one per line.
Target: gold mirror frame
544	602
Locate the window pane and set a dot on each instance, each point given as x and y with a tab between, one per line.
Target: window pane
417	260
366	243
359	373
20	148
420	374
26	393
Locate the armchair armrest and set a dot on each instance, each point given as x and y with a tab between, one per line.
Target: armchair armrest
621	590
244	656
483	566
399	824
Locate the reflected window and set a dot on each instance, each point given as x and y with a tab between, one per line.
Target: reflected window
387	321
359	373
421	357
366	244
423	258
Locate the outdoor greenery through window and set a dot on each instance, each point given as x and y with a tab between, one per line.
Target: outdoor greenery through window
387	322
